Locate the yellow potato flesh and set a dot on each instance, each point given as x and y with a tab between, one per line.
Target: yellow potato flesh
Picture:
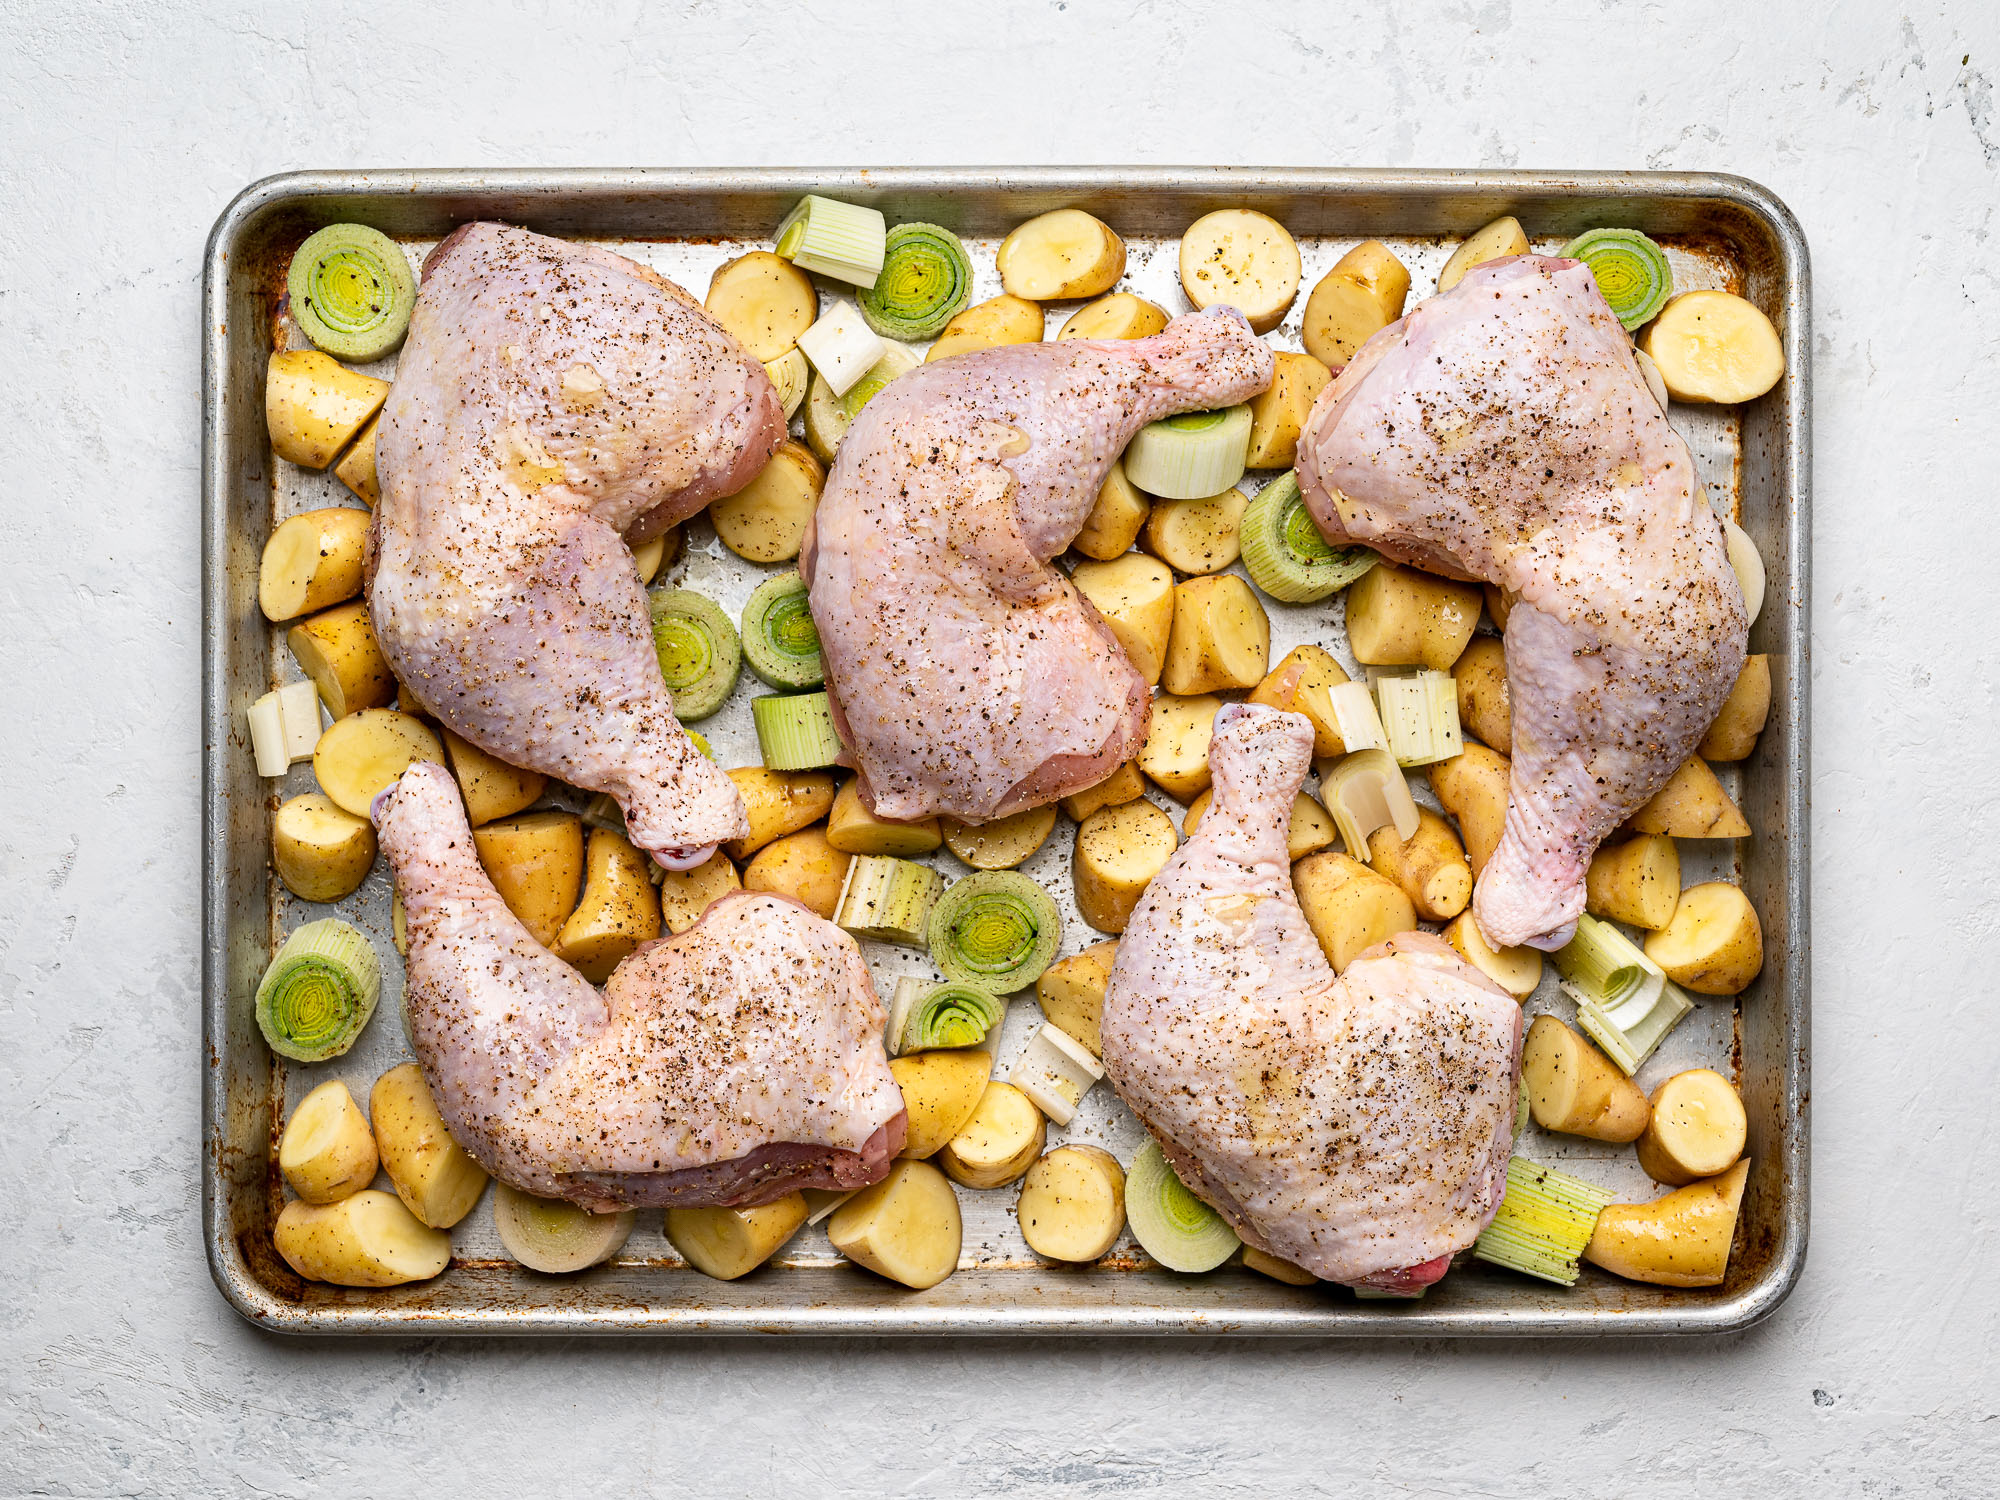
1072	1204
437	1179
1278	1270
762	301
1714	347
1430	866
1309	831
1003	844
1278	415
366	751
1243	258
1118	851
1197	536
535	861
1348	906
1638	881
778	802
1516	970
1071	993
320	851
1114	522
730	1242
801	865
327	1151
906	1227
491	788
1300	684
941	1089
766	520
313	404
1574	1088
366	1239
1681	1239
1220	638
356	468
853	829
1122	785
686	894
1713	944
312	561
1358	298
1001	1141
1135	595
988	325
1503	237
1059	255
1485	704
337	650
1119	316
1175	755
1400	617
618	910
1698	1128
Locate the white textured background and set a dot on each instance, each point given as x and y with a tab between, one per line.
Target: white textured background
124	128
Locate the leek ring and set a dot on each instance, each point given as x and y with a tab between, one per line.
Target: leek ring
351	291
926	279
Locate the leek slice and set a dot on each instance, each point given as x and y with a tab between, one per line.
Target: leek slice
1173	1226
842	347
700	656
779	637
1055	1071
1364	792
1631	272
791	374
351	291
1544	1222
1420	717
829	415
1356	719
995	929
843	240
554	1237
923	1016
319	991
795	731
1190	456
284	727
1284	552
887	899
1624	1001
926	277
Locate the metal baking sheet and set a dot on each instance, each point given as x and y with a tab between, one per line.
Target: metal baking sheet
1720	231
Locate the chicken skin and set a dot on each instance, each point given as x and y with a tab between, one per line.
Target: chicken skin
1358	1126
1503	431
730	1064
552	401
968	676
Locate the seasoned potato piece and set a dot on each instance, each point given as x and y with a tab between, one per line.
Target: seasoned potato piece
1498	602
312	561
1003	843
356	468
1713	944
988	325
1698	1128
1072	1204
1734	733
1279	414
1278	1270
1357	299
1071	993
686	894
366	751
1115	520
1175	755
1243	258
619	908
1484	705
1118	850
436	1178
801	865
766	520
1714	347
1059	255
1638	881
1430	866
1221	637
327	1151
650	557
1300	684
491	788
1197	536
337	650
1135	594
1398	617
1501	238
730	1242
1472	785
321	851
1681	1239
762	301
1122	785
906	1227
1348	906
535	861
1574	1088
1309	831
1515	970
1001	1141
1692	805
853	829
365	1239
779	802
313	404
1119	316
941	1089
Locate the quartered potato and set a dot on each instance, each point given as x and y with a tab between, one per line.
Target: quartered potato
1682	1239
313	404
1221	637
1001	1141
1118	851
1714	347
941	1089
1362	295
1503	237
1692	805
327	1151
1135	595
366	1239
1119	316
1638	881
686	894
1515	970
1278	416
1309	831
1114	521
1472	785
1399	617
853	829
337	650
1574	1088
1175	755
618	910
1122	785
1734	733
1197	536
779	802
1713	944
1698	1128
535	861
1300	684
1485	707
730	1242
1056	256
491	788
320	850
801	865
1430	866
1348	906
1071	993
1242	258
1072	1204
1002	844
356	468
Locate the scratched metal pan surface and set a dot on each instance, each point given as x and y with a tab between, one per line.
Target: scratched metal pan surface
1720	231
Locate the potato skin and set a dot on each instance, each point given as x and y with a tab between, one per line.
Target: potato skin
1118	316
1638	881
489	786
1472	785
726	1243
437	1179
1357	299
365	1239
779	802
1484	705
1681	1239
320	850
618	910
535	861
1118	852
1575	1089
853	829
801	865
1744	713
1692	805
1121	786
686	894
1300	684
1348	906
1071	993
1220	639
1278	415
999	320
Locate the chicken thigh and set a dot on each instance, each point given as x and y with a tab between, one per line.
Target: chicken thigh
1503	431
552	400
968	676
730	1064
1359	1125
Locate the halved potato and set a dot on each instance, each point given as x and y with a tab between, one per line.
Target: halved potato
1059	255
1744	713
437	1179
327	1151
491	788
1197	536
1399	617
853	829
1692	805
1122	785
1638	881
1278	415
1300	684
356	468
313	404
1072	1204
1713	944
766	520
1682	1239
779	802
1515	970
366	751
1071	993
1348	906
337	650
535	861
1175	755
1503	237
988	325
730	1242
1002	844
1001	1141
1242	258
312	561
1357	299
762	301
618	910
1114	522
1472	785
365	1239
906	1227
1698	1128
1135	595
1119	316
1309	830
1430	866
1714	347
941	1089
801	865
320	850
1484	704
1574	1088
1118	851
686	894
1221	637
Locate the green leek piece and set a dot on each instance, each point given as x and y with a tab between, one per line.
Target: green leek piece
1420	717
926	278
996	929
1173	1226
923	1016
841	240
795	731
887	899
1284	552
1544	1222
700	656
1631	272
779	637
1190	456
1624	1001
319	991
351	291
791	374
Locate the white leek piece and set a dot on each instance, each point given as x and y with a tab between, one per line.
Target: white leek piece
843	240
1366	791
789	374
842	347
1420	717
284	727
1055	1071
1355	717
925	1015
1624	1001
1190	456
888	899
267	736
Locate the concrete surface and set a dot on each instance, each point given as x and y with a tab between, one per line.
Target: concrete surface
127	127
